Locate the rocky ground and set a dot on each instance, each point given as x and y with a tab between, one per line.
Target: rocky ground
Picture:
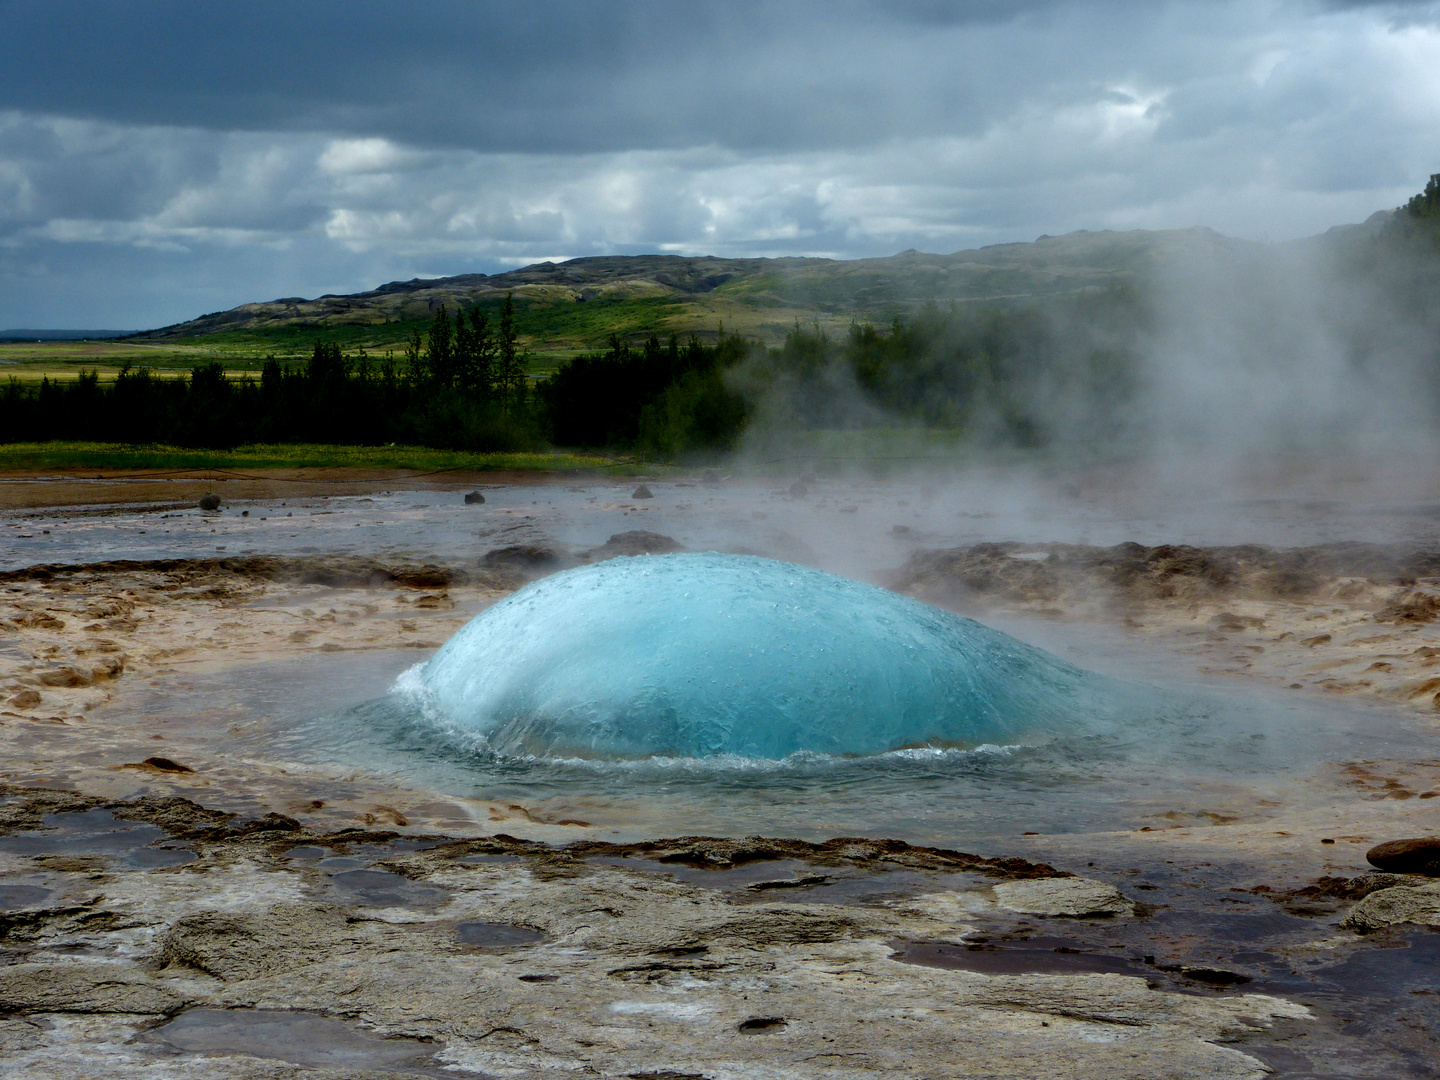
1339	618
157	938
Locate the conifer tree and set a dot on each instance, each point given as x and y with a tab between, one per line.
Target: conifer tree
440	349
477	366
510	376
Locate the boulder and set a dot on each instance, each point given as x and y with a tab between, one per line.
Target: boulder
1401	904
1065	897
474	498
642	492
25	699
1417	856
209	501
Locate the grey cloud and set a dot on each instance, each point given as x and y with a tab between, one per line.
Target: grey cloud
557	77
296	149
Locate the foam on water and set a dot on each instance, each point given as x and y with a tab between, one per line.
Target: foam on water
729	656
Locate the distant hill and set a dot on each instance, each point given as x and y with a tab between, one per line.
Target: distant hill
575	305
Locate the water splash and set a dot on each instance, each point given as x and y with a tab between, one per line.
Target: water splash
702	655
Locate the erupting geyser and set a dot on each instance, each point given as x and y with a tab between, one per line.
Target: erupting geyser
698	655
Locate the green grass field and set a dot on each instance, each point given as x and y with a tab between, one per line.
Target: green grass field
81	455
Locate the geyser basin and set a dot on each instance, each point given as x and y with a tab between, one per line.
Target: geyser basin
699	655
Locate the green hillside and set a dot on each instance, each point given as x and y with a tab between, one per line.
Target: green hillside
568	308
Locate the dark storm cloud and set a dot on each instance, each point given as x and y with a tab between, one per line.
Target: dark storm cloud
235	152
565	76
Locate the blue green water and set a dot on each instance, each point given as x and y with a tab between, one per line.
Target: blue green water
699	655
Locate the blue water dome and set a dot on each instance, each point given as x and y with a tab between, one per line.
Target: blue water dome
697	655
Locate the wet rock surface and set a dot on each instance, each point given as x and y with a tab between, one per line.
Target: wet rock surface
360	952
1076	898
1169	571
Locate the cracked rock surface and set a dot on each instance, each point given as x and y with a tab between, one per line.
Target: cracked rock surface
250	961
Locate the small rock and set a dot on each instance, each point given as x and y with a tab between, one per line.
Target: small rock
209	501
164	764
642	492
1401	904
799	489
900	530
66	677
1072	897
25	699
1417	856
710	476
474	498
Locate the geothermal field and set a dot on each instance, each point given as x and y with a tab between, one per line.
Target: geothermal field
883	540
735	773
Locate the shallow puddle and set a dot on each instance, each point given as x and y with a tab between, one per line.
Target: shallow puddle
1036	956
126	844
301	1038
381	888
795	882
489	935
16	897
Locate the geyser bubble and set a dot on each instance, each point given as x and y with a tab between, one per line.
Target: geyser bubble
698	655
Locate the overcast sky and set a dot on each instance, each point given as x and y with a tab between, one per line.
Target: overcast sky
161	160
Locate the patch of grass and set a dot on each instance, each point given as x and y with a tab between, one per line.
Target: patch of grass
590	323
85	455
298	340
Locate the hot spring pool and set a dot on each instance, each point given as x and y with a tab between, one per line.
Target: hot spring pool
725	695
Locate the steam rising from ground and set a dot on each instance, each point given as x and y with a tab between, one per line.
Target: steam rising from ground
1206	359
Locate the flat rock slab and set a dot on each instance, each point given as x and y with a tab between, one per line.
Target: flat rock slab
82	988
1073	897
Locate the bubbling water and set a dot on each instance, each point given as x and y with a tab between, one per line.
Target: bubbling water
704	655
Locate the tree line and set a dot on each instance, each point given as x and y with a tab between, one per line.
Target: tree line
463	384
999	374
